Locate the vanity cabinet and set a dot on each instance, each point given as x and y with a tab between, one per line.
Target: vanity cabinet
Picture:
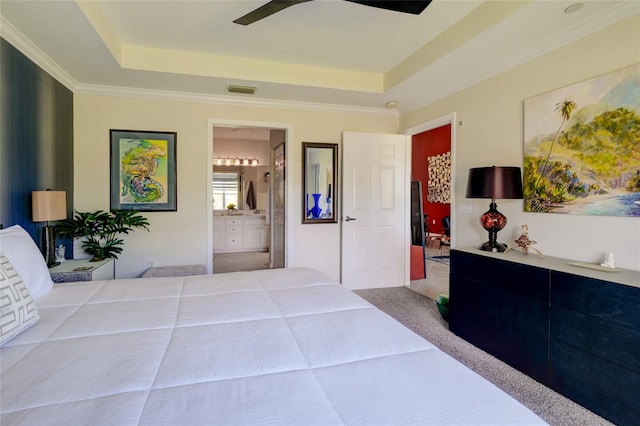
252	235
265	236
218	234
240	234
573	329
256	233
234	231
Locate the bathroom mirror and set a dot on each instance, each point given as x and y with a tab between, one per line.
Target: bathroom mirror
319	167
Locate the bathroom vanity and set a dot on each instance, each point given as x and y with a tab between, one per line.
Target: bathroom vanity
240	233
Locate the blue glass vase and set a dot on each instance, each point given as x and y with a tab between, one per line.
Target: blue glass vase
315	210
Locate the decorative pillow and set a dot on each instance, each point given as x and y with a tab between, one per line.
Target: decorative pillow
18	246
17	310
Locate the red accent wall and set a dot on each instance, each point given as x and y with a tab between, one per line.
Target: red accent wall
433	142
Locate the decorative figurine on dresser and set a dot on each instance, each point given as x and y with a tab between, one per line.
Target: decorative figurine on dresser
60	252
609	262
525	243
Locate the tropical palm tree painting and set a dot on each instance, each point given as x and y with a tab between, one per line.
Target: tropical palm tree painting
582	147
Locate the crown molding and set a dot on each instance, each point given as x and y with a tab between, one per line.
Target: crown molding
31	51
573	33
132	92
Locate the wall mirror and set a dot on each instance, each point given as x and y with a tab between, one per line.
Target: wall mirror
319	167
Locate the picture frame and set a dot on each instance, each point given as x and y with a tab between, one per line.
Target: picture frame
319	189
581	147
439	183
143	170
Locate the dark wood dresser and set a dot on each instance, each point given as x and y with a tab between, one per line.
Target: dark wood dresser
574	329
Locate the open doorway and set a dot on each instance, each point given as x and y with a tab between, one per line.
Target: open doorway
431	165
432	158
242	230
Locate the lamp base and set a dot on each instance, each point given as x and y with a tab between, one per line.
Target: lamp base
494	246
48	246
493	221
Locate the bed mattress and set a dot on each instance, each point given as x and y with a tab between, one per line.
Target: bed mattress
284	346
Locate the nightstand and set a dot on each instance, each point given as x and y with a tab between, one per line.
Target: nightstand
83	270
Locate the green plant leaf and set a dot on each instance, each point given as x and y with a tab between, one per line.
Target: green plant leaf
100	230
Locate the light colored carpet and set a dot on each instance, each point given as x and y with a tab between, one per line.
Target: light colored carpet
419	313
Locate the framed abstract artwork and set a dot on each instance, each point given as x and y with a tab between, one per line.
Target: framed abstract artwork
439	184
143	170
582	147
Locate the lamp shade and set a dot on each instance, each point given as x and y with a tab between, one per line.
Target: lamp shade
495	183
49	205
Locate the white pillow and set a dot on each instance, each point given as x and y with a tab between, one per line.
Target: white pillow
17	310
18	246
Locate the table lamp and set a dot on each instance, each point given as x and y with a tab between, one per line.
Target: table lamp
47	206
494	182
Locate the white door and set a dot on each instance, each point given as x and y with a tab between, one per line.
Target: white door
374	210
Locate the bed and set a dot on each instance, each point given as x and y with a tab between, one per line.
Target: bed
286	346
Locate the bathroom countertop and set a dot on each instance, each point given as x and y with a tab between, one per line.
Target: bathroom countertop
239	215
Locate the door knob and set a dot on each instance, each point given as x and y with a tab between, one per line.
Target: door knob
347	219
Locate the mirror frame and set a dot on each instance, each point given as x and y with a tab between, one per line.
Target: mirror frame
308	202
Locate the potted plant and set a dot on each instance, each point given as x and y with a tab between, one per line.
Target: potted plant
101	230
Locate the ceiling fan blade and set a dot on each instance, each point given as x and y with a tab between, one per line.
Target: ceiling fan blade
414	7
267	10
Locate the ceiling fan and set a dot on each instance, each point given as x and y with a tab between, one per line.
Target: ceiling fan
414	7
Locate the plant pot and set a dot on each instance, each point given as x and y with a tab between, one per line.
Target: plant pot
442	302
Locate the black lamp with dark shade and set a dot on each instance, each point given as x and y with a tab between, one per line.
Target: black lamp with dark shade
495	183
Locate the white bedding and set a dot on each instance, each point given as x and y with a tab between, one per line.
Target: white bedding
282	347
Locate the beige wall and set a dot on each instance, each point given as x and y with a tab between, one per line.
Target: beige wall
492	112
180	237
492	134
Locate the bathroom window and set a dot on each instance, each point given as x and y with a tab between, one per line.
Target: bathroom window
226	187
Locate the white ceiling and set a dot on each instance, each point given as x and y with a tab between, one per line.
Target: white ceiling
324	52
